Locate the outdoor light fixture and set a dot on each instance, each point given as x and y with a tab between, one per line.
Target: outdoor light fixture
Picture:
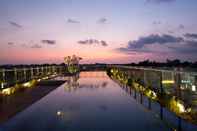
7	91
168	82
27	84
181	107
193	88
185	81
59	113
2	85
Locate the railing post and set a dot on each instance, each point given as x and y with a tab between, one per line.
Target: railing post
24	71
149	104
161	84
179	124
53	69
46	71
3	80
32	73
129	90
15	75
161	112
37	72
141	98
178	84
135	94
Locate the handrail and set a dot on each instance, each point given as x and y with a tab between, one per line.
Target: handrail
157	70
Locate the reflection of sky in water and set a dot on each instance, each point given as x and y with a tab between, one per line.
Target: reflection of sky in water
87	108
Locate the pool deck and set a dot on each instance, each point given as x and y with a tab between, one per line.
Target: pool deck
12	104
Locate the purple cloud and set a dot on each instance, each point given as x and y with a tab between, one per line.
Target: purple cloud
49	42
36	46
15	24
10	43
156	43
72	21
92	41
102	21
191	35
160	1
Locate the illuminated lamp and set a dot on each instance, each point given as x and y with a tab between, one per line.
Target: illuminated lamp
193	88
168	82
185	81
6	91
27	84
2	85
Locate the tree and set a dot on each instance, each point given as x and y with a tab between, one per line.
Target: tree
72	63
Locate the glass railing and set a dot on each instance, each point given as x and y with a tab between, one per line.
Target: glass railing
173	90
11	77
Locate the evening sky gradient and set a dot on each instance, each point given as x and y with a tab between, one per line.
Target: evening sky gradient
110	31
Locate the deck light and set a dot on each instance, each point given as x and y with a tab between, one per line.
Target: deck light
7	91
27	84
181	107
59	113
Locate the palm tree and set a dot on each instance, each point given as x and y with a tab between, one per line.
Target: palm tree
72	63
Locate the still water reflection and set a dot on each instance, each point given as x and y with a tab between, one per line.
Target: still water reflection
90	101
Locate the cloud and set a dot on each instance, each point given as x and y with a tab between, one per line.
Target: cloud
160	1
73	21
24	45
189	47
103	43
15	24
171	32
181	27
154	39
10	43
49	42
156	43
102	21
191	35
156	22
92	41
36	46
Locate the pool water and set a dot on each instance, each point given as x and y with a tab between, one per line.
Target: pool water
90	101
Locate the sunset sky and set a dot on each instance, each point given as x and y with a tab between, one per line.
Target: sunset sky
110	31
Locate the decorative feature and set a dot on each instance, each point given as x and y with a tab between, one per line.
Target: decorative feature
72	63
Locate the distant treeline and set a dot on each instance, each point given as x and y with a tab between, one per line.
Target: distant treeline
168	63
28	66
145	63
